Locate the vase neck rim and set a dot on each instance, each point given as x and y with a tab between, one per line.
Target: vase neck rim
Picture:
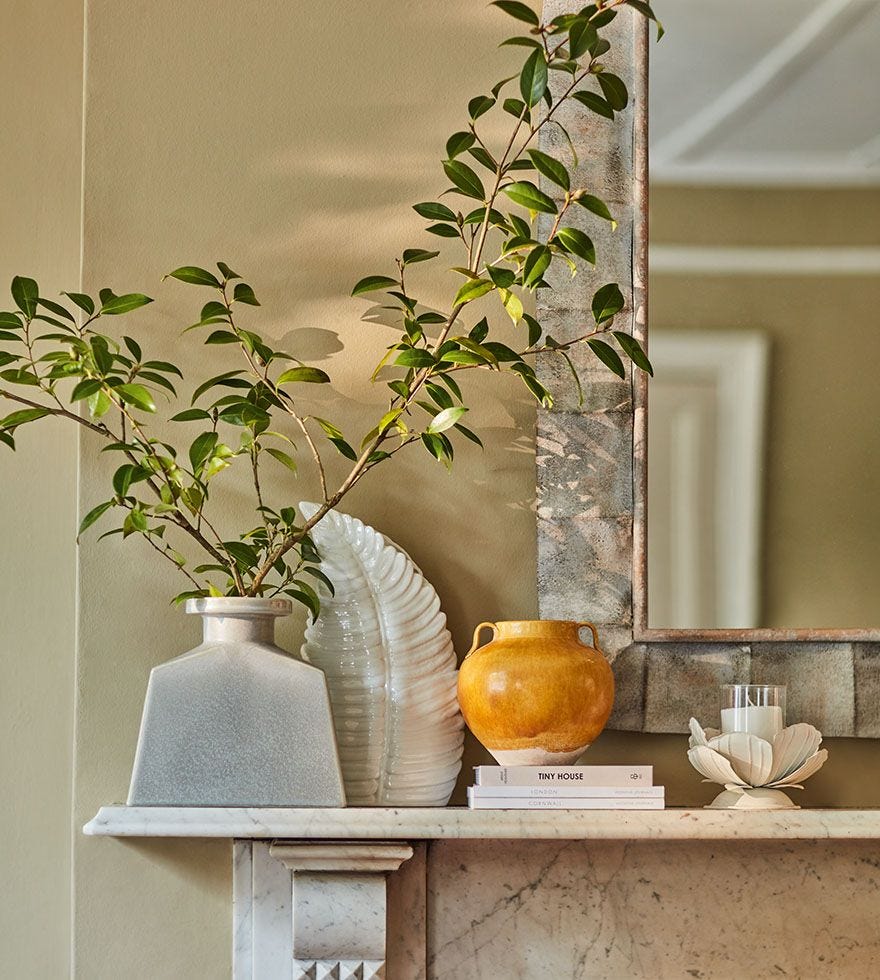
537	627
239	607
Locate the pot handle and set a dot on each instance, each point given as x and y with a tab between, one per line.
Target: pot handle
595	635
476	642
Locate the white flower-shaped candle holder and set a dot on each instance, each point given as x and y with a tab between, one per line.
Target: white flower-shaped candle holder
752	769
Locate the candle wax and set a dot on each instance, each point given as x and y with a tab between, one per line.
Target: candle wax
764	721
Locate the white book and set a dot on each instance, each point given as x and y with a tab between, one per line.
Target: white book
616	776
567	792
557	803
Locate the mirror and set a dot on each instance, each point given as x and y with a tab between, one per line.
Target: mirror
764	412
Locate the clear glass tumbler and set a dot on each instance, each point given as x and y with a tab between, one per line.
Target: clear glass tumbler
758	709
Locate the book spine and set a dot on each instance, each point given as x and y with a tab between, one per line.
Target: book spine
545	803
567	792
617	776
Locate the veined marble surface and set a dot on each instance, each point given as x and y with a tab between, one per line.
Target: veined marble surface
653	910
375	823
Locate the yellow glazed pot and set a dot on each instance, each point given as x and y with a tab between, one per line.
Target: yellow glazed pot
535	695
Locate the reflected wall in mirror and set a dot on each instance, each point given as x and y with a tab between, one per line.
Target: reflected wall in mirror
764	413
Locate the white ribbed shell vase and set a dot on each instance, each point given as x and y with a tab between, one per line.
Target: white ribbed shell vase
751	769
382	643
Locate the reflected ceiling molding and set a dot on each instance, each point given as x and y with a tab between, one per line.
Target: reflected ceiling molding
750	260
778	68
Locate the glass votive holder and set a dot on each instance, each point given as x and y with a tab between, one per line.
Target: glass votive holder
758	709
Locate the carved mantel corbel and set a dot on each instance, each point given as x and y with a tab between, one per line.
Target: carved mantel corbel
312	910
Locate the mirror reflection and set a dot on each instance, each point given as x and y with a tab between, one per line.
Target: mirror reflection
764	413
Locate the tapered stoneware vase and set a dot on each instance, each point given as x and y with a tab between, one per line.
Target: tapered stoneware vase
536	695
237	721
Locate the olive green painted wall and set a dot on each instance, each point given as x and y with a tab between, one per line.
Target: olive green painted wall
40	167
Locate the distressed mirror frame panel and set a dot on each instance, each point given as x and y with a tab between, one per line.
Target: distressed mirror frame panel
591	472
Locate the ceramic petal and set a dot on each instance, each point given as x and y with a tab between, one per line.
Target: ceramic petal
791	748
698	736
811	766
750	757
713	766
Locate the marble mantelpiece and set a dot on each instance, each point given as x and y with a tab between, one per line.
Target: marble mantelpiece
437	894
458	823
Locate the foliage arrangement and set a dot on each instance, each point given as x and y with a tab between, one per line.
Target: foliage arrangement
55	361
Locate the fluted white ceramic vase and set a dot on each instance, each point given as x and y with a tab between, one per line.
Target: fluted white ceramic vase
383	645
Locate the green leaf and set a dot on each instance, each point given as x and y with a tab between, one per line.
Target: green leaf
483	157
85	303
307	597
607	301
633	350
536	264
56	308
608	356
595	103
525	193
540	393
310	375
464	178
134	347
597	206
473	289
614	90
371	283
503	278
85	389
201	449
535	330
226	272
434	211
345	449
552	169
321	577
136	395
446	419
165	366
525	42
411	255
124	304
469	435
191	415
415	357
512	305
576	242
502	352
25	292
519	11
281	457
440	395
581	36
212	382
23	416
93	515
480	331
222	337
479	105
533	79
443	231
244	294
195	276
243	554
122	478
11	321
515	108
645	9
458	143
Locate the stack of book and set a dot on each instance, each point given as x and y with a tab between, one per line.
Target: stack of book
565	788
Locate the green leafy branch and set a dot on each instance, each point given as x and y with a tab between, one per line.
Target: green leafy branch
111	388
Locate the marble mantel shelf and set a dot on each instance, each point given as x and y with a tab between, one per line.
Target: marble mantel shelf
414	824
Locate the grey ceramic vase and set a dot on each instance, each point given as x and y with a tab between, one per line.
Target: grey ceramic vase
237	721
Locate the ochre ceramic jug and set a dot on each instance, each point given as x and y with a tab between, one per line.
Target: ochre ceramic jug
535	695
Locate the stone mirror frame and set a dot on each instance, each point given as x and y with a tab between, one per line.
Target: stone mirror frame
592	509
